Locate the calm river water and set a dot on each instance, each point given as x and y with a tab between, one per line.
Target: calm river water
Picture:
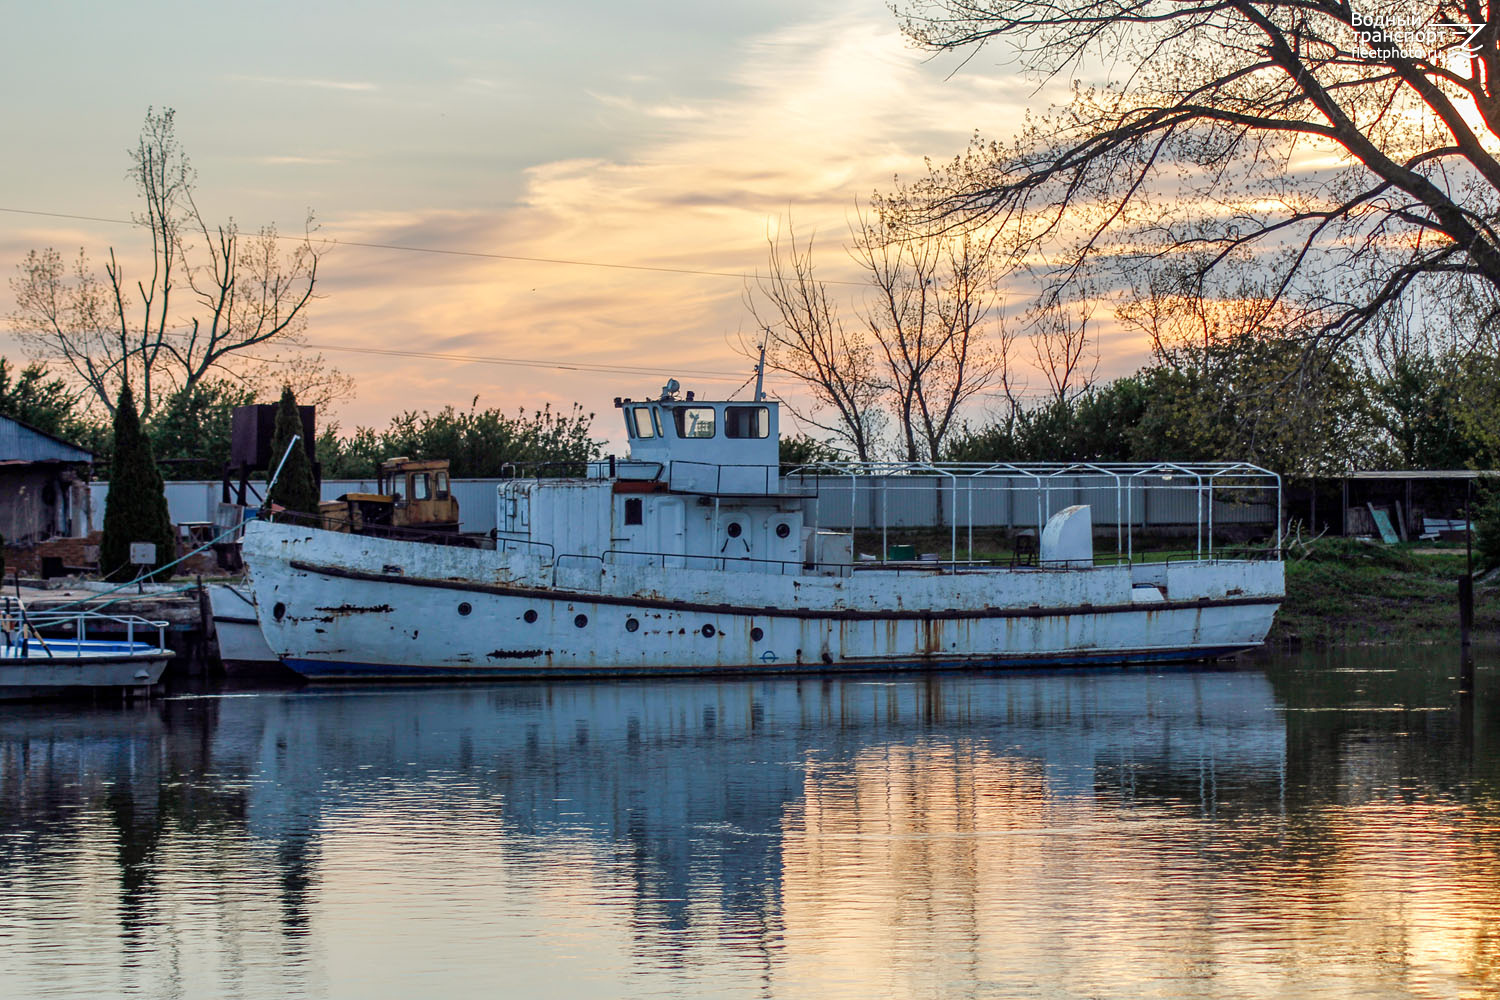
1322	825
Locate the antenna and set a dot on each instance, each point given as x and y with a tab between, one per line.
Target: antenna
760	374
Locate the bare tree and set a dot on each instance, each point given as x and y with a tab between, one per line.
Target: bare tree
1065	354
1291	136
928	338
212	293
805	339
931	314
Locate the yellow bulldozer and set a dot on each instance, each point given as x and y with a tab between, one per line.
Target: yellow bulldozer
413	495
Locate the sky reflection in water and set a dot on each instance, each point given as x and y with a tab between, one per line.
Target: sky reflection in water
1325	825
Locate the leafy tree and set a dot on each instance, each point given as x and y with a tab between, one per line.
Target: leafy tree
137	507
1487	525
1250	399
1096	425
41	402
1479	409
190	430
295	488
803	449
477	443
1423	404
1258	399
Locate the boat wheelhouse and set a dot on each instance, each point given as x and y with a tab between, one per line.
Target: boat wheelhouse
698	552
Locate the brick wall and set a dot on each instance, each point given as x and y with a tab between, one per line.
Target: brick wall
84	552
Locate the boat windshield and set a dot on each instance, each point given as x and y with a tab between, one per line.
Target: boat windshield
694	421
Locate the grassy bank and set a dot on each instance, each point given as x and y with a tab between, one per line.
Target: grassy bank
1351	591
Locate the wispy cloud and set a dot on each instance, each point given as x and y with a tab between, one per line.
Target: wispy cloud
670	112
817	116
285	161
311	82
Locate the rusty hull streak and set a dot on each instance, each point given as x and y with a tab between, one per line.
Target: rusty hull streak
818	614
355	609
516	654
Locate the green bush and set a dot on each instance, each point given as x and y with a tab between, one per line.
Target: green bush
1487	526
136	510
295	487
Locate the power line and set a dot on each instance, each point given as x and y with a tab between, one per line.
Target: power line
442	251
578	366
592	368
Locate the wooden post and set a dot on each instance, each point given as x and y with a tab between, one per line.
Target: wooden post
1466	595
1466	609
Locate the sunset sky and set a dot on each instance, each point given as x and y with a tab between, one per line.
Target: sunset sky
663	134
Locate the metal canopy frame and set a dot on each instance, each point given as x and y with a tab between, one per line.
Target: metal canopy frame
1128	478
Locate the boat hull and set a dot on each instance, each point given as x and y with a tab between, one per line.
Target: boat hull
81	670
332	613
243	651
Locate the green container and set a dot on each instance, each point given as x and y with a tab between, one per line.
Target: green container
901	552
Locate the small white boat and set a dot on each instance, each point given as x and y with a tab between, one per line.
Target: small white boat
242	648
37	662
699	554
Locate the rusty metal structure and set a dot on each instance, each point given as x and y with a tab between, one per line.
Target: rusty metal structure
412	495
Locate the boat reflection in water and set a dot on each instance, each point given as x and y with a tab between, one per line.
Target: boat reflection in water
1219	833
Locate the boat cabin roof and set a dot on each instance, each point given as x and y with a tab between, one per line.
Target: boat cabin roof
711	432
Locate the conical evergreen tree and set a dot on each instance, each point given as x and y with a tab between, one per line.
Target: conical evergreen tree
136	510
295	488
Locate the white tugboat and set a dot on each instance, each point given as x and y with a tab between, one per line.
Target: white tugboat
696	554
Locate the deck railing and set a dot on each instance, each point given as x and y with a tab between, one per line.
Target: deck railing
20	627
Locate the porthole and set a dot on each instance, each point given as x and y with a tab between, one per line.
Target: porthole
530	616
465	607
756	634
783	529
734	530
279	611
631	624
709	631
580	620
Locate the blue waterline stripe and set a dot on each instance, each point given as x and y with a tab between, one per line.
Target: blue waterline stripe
347	670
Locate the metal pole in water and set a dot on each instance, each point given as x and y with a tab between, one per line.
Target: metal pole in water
1466	598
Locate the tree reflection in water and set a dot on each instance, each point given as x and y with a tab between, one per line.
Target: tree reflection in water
1324	823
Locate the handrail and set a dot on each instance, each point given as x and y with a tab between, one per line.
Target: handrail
78	619
922	566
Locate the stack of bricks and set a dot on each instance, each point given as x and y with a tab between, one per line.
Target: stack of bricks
76	554
82	555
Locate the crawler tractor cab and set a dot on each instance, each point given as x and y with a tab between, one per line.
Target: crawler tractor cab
412	494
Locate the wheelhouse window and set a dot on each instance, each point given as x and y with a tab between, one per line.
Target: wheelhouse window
694	421
747	421
640	419
418	486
